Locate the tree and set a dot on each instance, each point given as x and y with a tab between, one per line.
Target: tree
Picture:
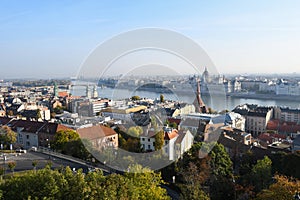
221	165
284	188
221	184
286	163
159	140
11	166
7	136
162	98
68	142
140	183
194	175
214	170
38	114
135	98
135	131
2	170
61	138
34	164
133	145
173	125
58	110
262	174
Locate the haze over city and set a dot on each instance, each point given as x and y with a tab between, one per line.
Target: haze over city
45	39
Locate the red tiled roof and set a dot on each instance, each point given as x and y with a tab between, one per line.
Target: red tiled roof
61	127
270	136
95	132
63	94
173	134
286	127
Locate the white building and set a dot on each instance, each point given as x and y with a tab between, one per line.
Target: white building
175	142
235	120
284	88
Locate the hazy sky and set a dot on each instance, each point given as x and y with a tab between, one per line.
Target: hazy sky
46	39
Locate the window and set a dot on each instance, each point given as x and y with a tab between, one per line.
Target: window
143	139
149	146
27	136
148	139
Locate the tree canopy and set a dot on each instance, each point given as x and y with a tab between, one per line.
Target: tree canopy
65	184
135	131
214	171
7	136
284	188
68	142
159	140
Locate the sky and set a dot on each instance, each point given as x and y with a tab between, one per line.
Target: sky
52	39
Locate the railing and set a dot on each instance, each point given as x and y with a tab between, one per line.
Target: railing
71	158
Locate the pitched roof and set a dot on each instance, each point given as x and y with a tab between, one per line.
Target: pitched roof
171	135
177	121
4	120
181	134
286	127
94	132
148	134
37	127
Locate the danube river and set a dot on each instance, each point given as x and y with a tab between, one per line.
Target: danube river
219	102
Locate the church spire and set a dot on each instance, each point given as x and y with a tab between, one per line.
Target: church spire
199	104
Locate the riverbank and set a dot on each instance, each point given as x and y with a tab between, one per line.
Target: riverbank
264	96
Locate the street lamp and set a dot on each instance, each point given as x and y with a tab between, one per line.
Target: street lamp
4	159
233	180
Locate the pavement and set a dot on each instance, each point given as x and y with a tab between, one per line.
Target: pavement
24	161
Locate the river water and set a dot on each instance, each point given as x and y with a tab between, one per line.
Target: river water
216	103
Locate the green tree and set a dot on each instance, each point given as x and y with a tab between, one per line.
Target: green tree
135	131
68	142
58	110
61	138
173	125
38	114
34	164
133	145
219	176
7	136
262	173
162	98
159	140
135	98
286	163
2	170
221	165
143	183
11	166
65	184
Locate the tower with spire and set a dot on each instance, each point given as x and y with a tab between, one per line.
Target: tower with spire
199	104
55	91
95	93
88	92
